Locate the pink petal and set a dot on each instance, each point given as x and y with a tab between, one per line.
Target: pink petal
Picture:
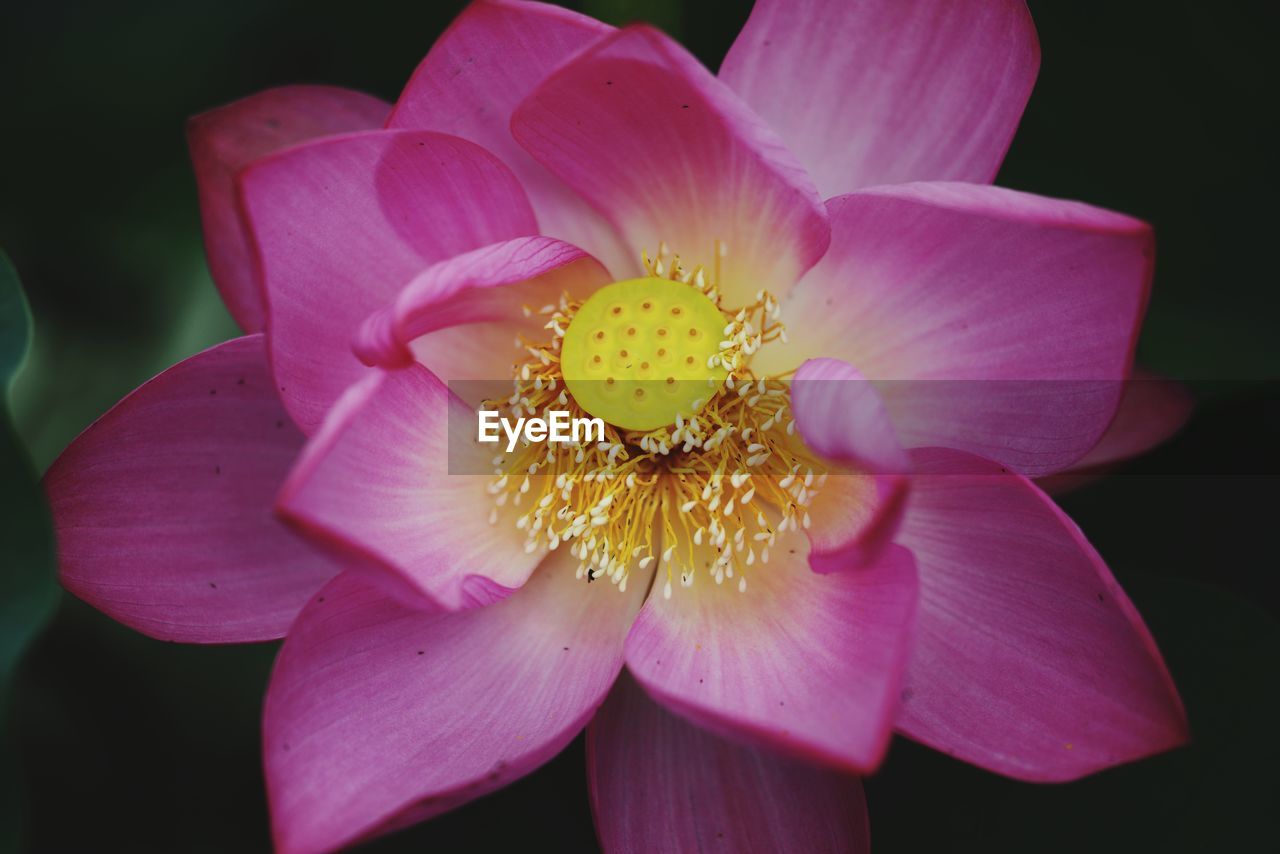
1152	409
888	91
481	295
841	416
343	224
226	139
661	784
162	507
993	321
476	73
1029	659
803	663
379	715
667	153
395	475
854	518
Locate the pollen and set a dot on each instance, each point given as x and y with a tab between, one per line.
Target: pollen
700	468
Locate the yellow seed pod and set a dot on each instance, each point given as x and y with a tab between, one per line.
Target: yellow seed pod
636	352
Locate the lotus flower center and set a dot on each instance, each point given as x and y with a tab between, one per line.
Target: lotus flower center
700	468
640	353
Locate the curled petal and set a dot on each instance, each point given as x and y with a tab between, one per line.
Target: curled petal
480	301
841	416
854	518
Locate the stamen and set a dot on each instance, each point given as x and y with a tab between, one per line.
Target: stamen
727	473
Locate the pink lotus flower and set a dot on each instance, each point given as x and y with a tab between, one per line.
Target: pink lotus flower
441	637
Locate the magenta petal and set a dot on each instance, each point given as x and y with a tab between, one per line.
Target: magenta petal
854	518
1152	409
395	475
664	150
162	507
840	415
661	784
379	715
1029	658
343	224
992	321
888	91
476	73
803	663
226	139
857	510
480	299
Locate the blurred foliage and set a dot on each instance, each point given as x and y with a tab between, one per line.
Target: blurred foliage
1159	109
28	590
667	15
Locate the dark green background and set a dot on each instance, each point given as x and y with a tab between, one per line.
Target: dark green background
1161	109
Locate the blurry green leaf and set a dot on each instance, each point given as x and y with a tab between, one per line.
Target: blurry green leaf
664	14
15	323
27	587
73	375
